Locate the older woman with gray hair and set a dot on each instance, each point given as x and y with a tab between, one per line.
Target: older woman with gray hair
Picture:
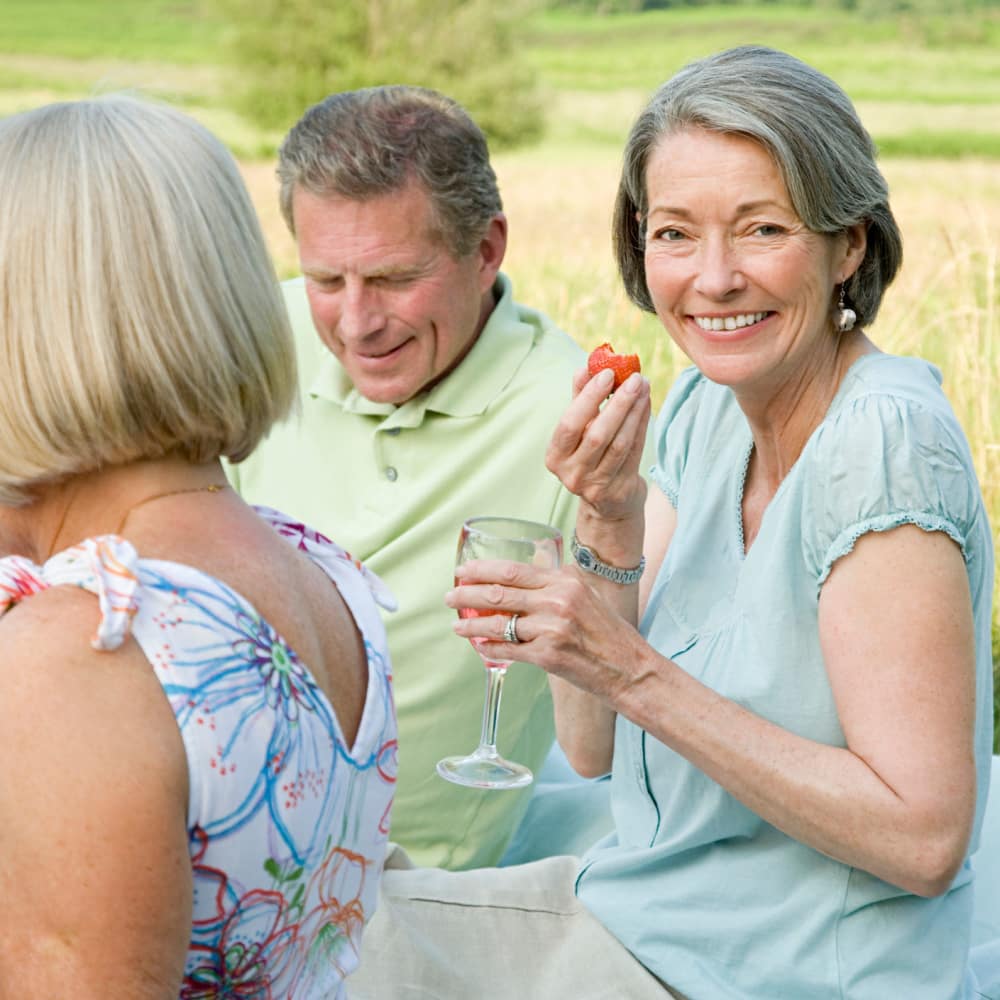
782	653
197	736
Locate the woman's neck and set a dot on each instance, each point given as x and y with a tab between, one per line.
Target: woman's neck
99	502
782	420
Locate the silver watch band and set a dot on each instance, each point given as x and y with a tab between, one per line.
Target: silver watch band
587	560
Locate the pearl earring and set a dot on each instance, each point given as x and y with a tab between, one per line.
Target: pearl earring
844	317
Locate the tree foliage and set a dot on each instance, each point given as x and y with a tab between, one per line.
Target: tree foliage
289	54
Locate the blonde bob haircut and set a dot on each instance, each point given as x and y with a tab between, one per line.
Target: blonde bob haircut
141	315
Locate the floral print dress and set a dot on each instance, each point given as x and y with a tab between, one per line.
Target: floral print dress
287	824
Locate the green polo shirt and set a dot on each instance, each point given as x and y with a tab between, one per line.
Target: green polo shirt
392	484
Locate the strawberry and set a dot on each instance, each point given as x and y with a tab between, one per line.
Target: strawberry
604	356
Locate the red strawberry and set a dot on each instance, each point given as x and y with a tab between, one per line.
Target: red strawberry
604	356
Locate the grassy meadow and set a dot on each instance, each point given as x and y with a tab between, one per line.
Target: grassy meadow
927	86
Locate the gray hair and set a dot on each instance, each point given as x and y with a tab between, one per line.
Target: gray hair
361	144
140	314
811	130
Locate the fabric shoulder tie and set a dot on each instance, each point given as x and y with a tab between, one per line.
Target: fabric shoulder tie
107	566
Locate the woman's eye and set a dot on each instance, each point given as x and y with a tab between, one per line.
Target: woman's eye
670	235
766	229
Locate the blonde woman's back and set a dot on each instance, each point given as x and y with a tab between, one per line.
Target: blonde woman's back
266	640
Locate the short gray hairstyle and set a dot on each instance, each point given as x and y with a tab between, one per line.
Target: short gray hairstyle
811	130
362	144
140	314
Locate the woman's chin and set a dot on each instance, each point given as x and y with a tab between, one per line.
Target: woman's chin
734	372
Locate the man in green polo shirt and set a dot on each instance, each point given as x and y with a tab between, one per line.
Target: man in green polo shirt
428	396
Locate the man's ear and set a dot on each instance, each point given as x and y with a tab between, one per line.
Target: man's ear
492	248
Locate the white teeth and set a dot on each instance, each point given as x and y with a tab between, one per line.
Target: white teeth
728	322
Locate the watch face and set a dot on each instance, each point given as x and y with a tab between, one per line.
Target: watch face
587	560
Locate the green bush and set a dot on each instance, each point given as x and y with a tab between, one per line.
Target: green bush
289	54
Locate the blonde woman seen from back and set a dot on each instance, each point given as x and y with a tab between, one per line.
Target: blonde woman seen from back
196	725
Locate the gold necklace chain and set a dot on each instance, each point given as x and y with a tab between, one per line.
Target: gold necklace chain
211	488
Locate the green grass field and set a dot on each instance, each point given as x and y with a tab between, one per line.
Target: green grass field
932	81
927	86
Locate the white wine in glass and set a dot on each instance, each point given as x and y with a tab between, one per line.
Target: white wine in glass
515	540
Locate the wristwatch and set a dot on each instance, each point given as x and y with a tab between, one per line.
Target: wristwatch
587	560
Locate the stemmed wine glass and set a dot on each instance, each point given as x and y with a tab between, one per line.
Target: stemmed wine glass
519	541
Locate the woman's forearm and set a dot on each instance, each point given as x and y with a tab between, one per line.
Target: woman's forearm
827	797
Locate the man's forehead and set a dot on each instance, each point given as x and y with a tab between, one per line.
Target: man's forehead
383	235
412	198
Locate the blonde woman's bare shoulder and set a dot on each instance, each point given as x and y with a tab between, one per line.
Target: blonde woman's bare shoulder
94	801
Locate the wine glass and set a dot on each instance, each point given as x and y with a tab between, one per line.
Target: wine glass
519	541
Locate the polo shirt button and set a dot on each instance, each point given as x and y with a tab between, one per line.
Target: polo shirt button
391	474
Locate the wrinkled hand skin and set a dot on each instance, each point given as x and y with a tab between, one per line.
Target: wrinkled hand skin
564	625
595	449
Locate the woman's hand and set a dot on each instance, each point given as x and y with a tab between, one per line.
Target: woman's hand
595	449
564	626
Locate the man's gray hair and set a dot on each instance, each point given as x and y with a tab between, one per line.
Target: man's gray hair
810	128
363	144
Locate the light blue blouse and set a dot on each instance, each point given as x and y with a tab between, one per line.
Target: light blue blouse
712	899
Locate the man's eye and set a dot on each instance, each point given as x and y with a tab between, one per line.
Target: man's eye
327	284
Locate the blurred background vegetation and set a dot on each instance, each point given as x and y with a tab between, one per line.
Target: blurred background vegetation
556	86
526	69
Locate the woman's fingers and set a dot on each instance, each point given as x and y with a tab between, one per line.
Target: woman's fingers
583	434
492	629
619	431
562	627
495	587
595	449
504	572
628	445
588	394
580	378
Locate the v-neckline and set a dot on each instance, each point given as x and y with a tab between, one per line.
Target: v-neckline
749	450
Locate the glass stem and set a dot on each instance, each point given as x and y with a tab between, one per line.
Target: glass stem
491	710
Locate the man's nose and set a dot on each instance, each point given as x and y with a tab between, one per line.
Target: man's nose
361	312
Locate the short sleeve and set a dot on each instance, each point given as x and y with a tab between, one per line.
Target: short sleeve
882	462
673	432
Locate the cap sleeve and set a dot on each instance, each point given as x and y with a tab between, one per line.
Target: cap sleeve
673	432
882	462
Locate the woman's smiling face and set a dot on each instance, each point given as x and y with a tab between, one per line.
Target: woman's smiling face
745	289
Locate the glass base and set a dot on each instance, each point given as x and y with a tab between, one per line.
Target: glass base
484	770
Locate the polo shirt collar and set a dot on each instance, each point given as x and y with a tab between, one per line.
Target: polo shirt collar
480	377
